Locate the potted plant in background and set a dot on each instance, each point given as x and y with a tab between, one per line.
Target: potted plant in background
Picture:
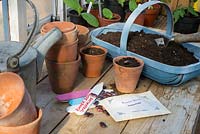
108	17
132	6
186	19
127	70
78	16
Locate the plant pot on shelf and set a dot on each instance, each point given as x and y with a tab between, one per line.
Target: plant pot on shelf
115	7
82	36
151	14
93	58
29	128
77	19
139	20
68	29
62	53
62	76
16	106
127	70
187	25
105	22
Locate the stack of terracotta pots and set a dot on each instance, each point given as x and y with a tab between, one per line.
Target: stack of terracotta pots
18	113
63	59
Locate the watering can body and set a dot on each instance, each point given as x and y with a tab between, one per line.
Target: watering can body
30	64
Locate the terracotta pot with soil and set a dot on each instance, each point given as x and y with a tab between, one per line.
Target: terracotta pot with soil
139	20
105	22
16	106
151	14
82	36
61	53
93	58
29	128
127	70
62	76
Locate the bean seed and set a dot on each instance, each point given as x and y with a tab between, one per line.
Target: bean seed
103	124
88	114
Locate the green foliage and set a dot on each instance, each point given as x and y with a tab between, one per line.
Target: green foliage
121	2
132	5
107	13
90	19
183	11
75	5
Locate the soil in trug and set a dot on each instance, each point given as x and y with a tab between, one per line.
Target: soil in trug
144	44
93	51
128	62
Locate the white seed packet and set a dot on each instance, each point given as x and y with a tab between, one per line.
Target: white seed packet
133	106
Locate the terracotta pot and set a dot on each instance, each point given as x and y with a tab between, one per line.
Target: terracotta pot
16	106
150	15
139	20
63	52
126	78
92	64
68	29
95	12
82	35
105	22
29	128
62	76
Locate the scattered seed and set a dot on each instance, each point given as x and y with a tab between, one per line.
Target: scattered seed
88	114
96	103
103	124
106	112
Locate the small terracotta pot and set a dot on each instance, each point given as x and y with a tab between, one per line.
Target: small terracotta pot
29	128
68	29
82	35
139	20
63	52
62	76
150	15
95	12
126	78
93	64
16	106
105	22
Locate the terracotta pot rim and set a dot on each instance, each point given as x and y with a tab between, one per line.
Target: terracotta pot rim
39	112
48	26
23	92
68	62
117	17
86	30
130	68
102	48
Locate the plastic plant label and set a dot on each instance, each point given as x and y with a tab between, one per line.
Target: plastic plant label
133	106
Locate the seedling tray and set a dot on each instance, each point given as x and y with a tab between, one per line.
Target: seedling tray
162	73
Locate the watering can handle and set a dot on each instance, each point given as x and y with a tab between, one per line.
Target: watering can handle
13	61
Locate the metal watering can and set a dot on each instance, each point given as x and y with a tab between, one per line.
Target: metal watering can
27	60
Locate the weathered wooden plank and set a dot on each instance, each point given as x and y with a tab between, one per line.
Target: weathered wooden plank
53	111
182	101
84	125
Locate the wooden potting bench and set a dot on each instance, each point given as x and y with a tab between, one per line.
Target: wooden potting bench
183	101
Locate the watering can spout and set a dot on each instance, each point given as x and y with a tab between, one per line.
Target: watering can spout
43	44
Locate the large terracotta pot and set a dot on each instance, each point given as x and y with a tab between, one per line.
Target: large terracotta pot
92	64
150	15
126	78
105	22
82	35
62	76
16	106
29	128
139	20
66	52
68	29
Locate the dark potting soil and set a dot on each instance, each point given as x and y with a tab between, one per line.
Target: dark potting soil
144	44
93	51
128	62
